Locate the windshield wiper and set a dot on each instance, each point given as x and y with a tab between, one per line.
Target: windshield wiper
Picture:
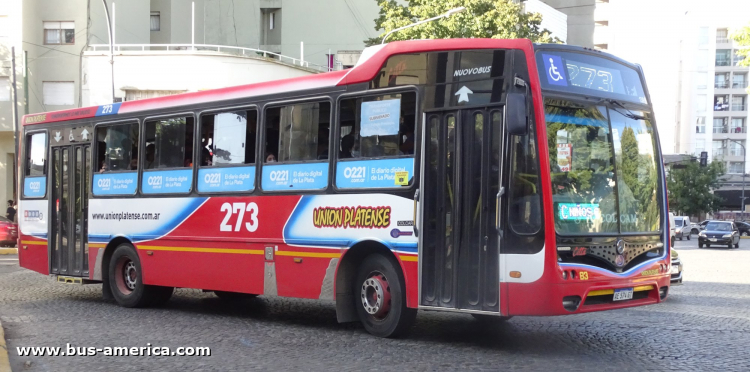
629	115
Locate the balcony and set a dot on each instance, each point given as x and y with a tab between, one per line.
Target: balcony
739	107
722	40
723	62
721	85
739	84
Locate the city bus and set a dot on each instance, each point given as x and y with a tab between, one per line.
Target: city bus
497	178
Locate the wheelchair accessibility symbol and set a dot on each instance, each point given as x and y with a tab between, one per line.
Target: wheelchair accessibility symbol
553	71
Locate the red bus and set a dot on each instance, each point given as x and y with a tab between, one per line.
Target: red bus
491	177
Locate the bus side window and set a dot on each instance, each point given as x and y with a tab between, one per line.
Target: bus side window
297	132
228	138
35	167
524	212
169	143
379	130
117	148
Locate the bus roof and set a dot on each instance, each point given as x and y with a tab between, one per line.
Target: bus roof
367	67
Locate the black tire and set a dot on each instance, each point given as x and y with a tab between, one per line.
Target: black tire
688	237
729	245
737	245
491	319
130	291
234	296
672	241
700	245
694	231
708	245
380	283
680	238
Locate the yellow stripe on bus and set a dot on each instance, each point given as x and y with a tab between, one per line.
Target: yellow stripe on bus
308	254
33	242
97	245
410	258
201	250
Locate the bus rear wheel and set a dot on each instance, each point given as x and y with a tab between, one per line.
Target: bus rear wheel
126	280
380	297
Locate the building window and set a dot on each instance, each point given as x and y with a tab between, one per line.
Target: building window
117	148
4	88
737	58
720	125
721	36
701	62
739	81
59	33
723	57
700	125
721	81
703	36
271	20
735	167
58	93
738	103
721	103
738	125
701	80
4	26
700	146
736	148
169	143
717	148
701	103
155	21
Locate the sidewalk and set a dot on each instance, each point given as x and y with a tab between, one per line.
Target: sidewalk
12	250
4	361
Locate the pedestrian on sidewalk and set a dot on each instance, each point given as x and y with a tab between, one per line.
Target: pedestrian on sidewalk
11	211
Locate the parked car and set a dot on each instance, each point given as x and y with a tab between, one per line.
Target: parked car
671	229
8	232
698	227
676	269
682	227
744	228
720	233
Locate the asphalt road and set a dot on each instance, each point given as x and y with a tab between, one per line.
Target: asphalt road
703	326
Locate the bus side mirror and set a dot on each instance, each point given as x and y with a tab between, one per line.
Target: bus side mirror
515	115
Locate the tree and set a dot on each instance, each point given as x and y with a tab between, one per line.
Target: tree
742	38
496	19
690	188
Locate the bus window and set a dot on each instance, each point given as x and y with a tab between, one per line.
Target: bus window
168	156
116	171
227	160
376	141
36	165
294	134
524	212
117	148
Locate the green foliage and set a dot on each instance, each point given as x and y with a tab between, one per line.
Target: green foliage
742	38
496	19
690	188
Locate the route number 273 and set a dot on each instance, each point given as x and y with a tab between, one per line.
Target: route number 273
239	209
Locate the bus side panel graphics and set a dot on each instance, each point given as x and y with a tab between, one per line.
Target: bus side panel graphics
382	173
32	222
34	187
290	177
115	183
167	182
226	179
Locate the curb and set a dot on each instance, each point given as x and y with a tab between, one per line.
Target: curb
4	361
8	250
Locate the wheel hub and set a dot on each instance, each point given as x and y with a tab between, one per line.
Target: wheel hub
376	295
129	275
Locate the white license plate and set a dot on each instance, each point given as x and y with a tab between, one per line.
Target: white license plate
623	294
713	240
675	270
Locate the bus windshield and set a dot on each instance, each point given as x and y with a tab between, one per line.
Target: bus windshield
603	166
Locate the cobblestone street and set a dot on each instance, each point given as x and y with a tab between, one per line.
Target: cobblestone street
705	325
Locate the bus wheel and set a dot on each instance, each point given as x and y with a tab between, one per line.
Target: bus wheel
380	297
126	280
234	296
486	318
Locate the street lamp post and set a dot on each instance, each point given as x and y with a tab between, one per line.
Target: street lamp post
744	154
446	14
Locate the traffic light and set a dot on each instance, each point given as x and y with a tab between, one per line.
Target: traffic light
704	158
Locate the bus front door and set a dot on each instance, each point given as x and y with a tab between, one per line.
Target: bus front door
70	175
459	242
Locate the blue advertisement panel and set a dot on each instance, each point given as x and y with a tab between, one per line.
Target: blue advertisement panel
115	183
380	118
284	177
226	179
167	182
34	187
380	173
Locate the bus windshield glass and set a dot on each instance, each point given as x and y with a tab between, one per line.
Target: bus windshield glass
603	166
589	75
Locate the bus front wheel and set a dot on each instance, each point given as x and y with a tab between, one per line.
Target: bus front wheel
380	297
126	280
